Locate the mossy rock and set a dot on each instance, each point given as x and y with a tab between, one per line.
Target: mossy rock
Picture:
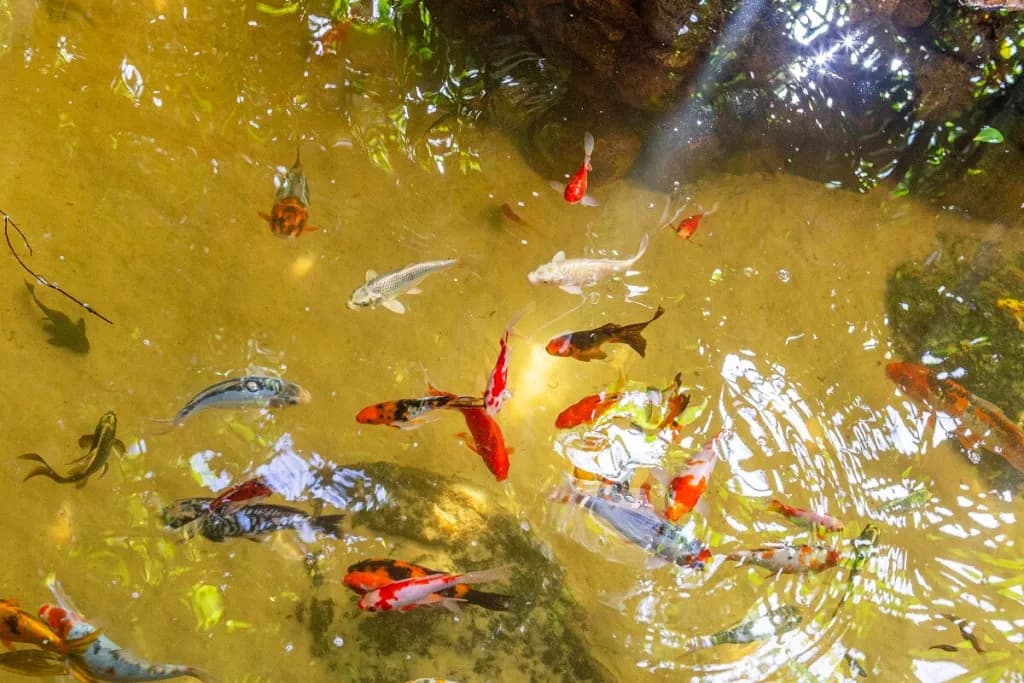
433	521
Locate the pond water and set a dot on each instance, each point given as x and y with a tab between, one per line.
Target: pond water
139	141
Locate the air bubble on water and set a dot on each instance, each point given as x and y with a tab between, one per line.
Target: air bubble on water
338	641
783	275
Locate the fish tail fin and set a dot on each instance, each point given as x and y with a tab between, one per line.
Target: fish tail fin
643	248
635	339
502	573
657	314
163	425
43	470
491	601
200	674
588	144
328	524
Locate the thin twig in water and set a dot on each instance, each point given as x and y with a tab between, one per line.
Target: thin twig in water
8	223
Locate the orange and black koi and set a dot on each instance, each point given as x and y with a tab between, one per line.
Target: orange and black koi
410	413
586	345
18	626
981	423
369	575
291	204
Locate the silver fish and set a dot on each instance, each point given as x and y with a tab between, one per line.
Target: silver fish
385	289
249	521
775	622
572	275
242	392
641	525
105	660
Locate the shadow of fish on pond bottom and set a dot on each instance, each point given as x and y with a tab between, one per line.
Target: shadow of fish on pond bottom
58	325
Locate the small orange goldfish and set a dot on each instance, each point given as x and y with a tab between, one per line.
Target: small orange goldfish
576	191
587	409
291	204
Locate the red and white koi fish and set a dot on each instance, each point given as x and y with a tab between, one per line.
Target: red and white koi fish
497	384
683	493
576	190
105	660
806	518
409	594
789	559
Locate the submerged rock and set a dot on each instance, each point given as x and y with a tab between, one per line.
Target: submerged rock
429	520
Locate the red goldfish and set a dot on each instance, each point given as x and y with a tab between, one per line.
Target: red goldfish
586	345
807	518
981	423
291	204
488	441
587	409
576	191
369	575
789	559
689	225
497	384
415	592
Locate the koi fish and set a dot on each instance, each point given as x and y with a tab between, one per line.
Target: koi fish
58	325
18	626
411	413
497	384
1014	307
806	518
586	345
688	226
488	441
244	392
575	192
252	521
640	525
684	491
572	275
101	443
863	548
775	622
369	575
385	289
789	559
104	659
419	591
981	423
675	404
291	204
587	409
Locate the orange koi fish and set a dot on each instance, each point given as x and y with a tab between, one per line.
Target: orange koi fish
689	225
789	559
587	409
291	204
806	518
684	491
586	345
18	626
981	423
576	191
416	592
369	575
488	441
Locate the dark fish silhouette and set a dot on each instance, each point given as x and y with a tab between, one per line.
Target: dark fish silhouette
58	325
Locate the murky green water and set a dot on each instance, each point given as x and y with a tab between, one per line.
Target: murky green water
137	146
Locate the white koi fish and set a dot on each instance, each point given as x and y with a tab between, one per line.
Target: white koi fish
385	289
572	275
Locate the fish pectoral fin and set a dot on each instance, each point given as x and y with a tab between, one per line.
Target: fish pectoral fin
589	201
85	441
468	440
557	186
264	216
119	448
414	290
558	258
371	274
452	605
655	563
393	305
572	289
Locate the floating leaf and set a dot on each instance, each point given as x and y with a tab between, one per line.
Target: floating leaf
207	605
990	135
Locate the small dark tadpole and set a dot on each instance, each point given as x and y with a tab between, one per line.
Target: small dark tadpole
58	325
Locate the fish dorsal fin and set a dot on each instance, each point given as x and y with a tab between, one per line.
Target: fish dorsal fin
559	257
371	274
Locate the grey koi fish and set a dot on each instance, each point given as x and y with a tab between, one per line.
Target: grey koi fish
775	622
249	521
641	525
243	392
385	289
